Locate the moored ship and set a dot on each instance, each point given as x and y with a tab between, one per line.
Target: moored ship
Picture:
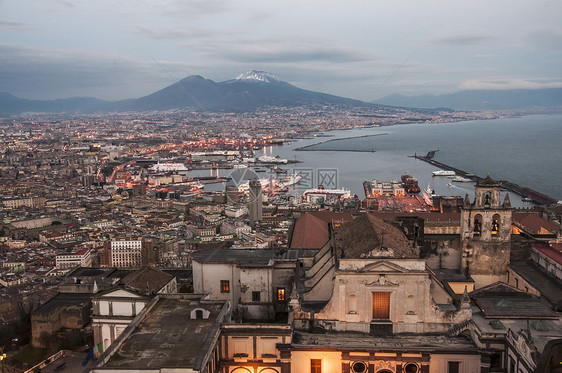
410	184
444	173
428	195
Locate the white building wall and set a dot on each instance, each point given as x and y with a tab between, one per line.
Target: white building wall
468	363
331	361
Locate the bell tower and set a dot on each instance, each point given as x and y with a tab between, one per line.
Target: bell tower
486	233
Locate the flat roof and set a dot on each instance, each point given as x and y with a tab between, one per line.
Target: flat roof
63	300
167	337
245	257
549	287
514	305
350	341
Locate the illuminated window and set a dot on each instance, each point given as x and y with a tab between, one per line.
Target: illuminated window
315	365
381	305
495	224
281	294
225	286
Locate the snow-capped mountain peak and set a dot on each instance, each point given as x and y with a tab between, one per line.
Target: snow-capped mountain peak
260	76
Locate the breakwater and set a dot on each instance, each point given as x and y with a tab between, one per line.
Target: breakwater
312	146
507	185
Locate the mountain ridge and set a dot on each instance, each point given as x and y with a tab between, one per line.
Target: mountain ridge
482	99
246	92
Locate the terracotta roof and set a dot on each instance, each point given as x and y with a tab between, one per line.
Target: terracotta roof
147	280
368	236
309	232
550	251
533	223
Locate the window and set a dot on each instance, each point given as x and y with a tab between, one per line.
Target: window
381	305
495	224
281	294
453	367
225	286
411	368
352	303
315	365
359	367
256	296
477	225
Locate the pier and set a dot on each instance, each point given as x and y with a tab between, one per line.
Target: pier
507	185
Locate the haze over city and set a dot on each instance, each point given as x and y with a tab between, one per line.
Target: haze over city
105	49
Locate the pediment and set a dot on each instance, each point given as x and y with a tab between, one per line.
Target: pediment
383	266
121	293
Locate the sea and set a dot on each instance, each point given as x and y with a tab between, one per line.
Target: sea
525	150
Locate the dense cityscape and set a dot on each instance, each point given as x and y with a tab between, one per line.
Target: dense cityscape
106	235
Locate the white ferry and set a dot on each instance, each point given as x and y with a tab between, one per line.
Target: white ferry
460	179
444	173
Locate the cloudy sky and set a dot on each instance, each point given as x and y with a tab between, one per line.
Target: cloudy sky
363	49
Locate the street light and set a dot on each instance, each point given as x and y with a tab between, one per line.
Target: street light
2	357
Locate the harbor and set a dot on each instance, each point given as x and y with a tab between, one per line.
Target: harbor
524	192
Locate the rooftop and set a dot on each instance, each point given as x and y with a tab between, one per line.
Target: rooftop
63	300
549	287
394	343
167	337
244	257
369	235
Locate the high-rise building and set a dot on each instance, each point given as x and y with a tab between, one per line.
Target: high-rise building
255	202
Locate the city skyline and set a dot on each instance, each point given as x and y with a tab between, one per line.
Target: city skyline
358	50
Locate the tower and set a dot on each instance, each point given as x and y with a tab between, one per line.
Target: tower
255	202
486	233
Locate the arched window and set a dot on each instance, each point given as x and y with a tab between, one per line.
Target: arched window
487	200
496	220
477	225
352	303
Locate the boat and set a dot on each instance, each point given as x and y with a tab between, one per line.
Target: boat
444	173
290	180
428	195
449	184
268	159
410	184
461	179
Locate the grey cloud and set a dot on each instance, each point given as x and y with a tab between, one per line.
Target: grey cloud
189	8
66	3
545	39
16	26
5	23
460	40
275	49
45	74
201	34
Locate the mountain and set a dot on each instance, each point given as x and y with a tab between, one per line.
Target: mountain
246	92
10	104
481	99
